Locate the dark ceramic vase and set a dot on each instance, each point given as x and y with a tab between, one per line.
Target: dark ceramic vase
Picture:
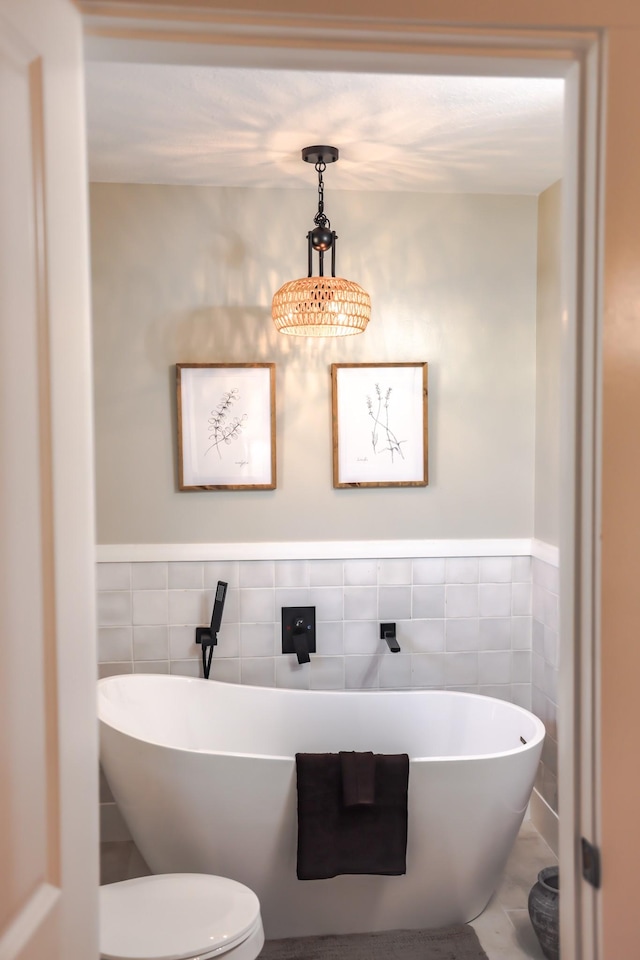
544	898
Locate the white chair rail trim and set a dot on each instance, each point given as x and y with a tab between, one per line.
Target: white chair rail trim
545	552
311	550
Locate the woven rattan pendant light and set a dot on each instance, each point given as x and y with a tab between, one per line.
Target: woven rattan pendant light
321	306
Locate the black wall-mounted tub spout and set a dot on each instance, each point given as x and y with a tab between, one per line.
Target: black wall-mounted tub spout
388	633
301	642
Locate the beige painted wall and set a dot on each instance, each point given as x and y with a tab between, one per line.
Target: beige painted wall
548	355
186	274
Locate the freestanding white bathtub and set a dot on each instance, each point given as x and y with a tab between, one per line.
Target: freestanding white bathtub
204	775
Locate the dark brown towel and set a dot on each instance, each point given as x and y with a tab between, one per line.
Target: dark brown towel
358	778
334	839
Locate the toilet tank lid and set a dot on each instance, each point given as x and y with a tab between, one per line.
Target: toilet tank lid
174	916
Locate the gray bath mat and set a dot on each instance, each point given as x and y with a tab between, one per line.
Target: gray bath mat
447	943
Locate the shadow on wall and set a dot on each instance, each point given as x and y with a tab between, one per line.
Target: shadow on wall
218	335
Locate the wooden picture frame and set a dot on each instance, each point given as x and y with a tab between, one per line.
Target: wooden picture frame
226	426
379	424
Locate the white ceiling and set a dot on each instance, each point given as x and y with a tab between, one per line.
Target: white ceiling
150	123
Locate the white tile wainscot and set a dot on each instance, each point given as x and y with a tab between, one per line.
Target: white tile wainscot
545	651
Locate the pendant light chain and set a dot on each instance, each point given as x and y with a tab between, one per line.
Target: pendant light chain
320	219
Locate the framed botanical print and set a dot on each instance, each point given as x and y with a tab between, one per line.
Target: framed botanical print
379	424
226	426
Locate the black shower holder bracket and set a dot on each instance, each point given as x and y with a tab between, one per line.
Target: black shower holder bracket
205	637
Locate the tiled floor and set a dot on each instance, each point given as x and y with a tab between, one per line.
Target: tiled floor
504	928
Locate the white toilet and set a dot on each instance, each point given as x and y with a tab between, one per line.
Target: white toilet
179	916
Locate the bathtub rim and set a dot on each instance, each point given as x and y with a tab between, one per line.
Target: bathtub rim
531	744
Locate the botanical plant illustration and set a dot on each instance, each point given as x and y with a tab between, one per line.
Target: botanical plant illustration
381	432
222	428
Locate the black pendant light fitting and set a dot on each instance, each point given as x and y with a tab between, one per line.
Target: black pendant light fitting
319	306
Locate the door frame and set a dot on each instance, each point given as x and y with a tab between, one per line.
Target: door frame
48	742
130	32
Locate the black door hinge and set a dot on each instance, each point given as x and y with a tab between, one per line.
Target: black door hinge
590	863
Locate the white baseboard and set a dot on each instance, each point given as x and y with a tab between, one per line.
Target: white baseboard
545	820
